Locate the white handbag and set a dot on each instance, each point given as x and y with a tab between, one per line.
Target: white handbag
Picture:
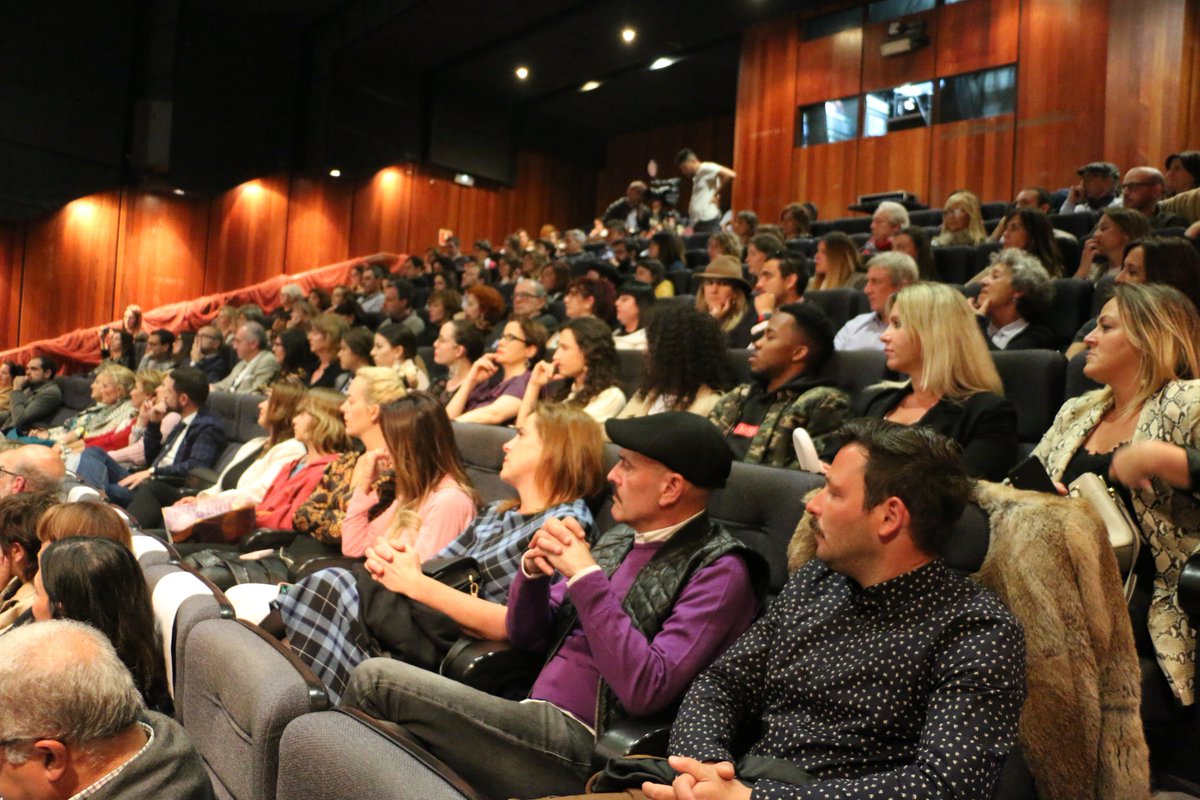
1123	532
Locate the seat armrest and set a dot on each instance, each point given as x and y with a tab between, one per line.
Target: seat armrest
646	736
497	668
266	539
1189	588
301	569
199	478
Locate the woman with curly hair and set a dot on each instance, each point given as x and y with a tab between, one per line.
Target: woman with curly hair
483	307
584	371
667	248
687	368
724	243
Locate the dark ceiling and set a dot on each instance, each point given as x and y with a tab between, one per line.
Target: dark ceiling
203	94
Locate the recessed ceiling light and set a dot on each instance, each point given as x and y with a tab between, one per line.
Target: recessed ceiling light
522	73
335	173
589	86
179	192
663	63
628	35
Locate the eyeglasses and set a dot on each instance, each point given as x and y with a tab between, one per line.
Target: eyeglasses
1137	185
508	337
4	471
525	295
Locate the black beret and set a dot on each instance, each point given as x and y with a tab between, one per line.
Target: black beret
681	441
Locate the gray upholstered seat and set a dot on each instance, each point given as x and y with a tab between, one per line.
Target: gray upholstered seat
482	450
1033	381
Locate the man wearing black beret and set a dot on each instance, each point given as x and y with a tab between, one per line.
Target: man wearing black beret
628	622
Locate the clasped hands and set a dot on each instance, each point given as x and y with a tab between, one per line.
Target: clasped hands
699	781
558	546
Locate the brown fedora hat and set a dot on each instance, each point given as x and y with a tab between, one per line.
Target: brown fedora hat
725	268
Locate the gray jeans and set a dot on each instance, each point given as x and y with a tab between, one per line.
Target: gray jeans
501	747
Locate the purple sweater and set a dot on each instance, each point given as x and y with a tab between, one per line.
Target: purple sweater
715	607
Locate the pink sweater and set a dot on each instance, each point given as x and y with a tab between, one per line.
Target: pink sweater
445	513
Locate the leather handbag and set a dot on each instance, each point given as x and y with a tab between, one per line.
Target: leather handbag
1123	532
228	528
457	572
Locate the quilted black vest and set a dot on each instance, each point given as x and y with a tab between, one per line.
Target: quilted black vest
652	596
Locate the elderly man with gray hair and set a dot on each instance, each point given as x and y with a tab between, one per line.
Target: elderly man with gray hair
256	368
529	302
1015	298
886	222
887	273
72	723
30	468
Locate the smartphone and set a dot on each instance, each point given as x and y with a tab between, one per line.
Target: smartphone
1031	475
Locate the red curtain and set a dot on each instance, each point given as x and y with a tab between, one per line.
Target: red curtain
79	350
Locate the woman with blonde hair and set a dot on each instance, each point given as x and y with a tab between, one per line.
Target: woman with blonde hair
953	387
962	221
432	485
836	263
724	295
336	619
325	340
111	411
1143	430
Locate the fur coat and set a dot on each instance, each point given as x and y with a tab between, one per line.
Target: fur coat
1049	560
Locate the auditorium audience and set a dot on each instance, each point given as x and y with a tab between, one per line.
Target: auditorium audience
399	297
1141	190
91	518
634	306
116	349
529	302
723	243
795	220
962	221
1102	253
131	322
125	444
370	293
484	308
8	371
554	463
112	410
651	272
913	242
630	209
325	342
1182	172
1097	188
583	372
758	249
1036	198
353	353
75	725
724	294
953	386
878	671
1141	429
430	483
19	548
158	351
835	264
666	248
492	390
209	354
603	665
757	418
887	273
395	347
686	367
459	345
781	281
256	367
708	179
35	397
295	357
1030	230
30	468
888	219
1014	303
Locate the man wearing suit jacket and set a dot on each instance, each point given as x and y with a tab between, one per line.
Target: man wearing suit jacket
197	441
256	368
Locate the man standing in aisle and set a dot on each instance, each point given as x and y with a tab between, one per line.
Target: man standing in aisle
708	178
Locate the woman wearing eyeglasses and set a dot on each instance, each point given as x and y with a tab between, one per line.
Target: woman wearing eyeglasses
492	391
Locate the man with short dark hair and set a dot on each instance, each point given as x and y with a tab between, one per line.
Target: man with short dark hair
781	281
758	418
73	725
630	209
371	298
887	273
623	254
1097	188
197	441
209	354
628	621
1142	190
19	548
256	368
1035	197
398	298
877	672
158	351
36	398
708	179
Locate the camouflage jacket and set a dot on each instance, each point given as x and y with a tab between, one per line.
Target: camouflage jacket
802	403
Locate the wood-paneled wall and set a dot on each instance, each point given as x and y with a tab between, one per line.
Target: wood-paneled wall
1118	81
81	265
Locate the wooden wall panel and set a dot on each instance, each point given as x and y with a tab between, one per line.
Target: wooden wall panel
1145	53
827	175
478	217
247	238
977	35
766	117
830	67
70	268
883	73
160	249
1189	70
12	254
548	189
974	154
898	161
318	223
434	206
380	219
629	153
1060	91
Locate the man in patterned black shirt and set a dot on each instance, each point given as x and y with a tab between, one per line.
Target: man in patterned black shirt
877	672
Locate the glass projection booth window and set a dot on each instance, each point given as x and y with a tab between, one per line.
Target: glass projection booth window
977	94
891	9
831	121
898	109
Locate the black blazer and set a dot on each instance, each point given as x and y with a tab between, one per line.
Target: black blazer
1034	337
203	442
984	425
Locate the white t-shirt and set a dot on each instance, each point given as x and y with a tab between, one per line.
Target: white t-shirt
706	185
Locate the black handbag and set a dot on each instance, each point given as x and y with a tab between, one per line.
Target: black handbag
226	569
458	572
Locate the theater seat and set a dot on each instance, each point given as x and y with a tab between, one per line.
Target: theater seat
630	364
332	755
696	258
1076	382
180	598
840	305
804	245
1072	307
955	263
77	395
236	717
481	447
1079	225
1033	381
855	370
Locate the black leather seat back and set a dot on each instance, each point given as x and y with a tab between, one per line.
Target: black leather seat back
840	305
1033	381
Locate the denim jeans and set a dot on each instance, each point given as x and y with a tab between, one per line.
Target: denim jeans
98	470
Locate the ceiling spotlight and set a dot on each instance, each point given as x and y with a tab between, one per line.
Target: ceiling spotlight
628	35
179	192
589	86
663	63
335	173
522	73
